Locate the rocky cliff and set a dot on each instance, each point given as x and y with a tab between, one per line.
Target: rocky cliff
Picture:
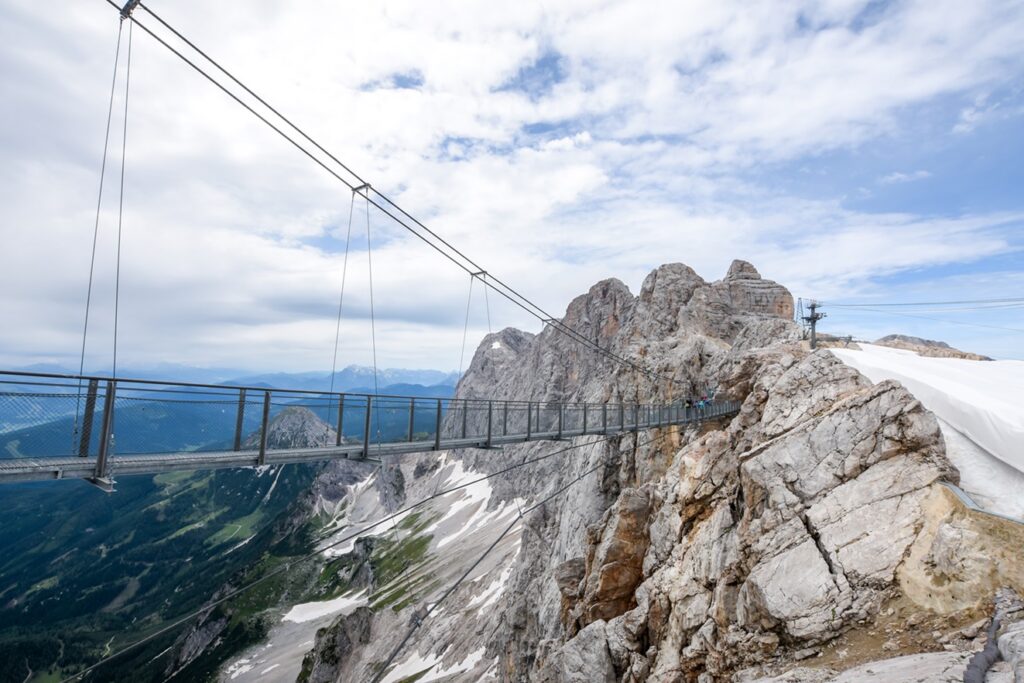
802	528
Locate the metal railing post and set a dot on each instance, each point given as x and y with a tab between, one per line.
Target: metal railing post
90	410
106	431
584	418
604	418
529	419
341	419
636	416
437	427
561	413
412	415
504	418
239	416
264	423
490	416
622	416
465	416
366	427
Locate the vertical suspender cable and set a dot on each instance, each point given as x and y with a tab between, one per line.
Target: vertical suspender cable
487	304
373	323
96	230
341	301
120	203
465	328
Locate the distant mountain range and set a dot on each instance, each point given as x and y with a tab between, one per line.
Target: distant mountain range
351	378
354	378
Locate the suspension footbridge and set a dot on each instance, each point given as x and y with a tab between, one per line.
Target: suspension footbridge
93	427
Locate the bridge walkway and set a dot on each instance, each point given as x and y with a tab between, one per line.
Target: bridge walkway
69	426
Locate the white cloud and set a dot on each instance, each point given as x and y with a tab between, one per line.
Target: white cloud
228	252
900	177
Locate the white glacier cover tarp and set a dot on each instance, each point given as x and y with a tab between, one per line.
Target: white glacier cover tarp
981	400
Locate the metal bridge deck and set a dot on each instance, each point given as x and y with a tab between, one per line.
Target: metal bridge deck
417	425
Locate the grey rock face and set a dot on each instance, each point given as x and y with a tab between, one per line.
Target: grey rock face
930	667
195	641
791	522
328	660
691	554
585	659
294	427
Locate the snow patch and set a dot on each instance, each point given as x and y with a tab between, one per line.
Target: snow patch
493	592
273	485
240	667
308	611
990	482
417	663
980	410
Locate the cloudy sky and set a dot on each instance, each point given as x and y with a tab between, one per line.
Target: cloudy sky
856	151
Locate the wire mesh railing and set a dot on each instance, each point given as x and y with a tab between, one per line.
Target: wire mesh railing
46	416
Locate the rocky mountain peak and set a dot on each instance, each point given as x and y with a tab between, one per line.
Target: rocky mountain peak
926	347
741	270
294	427
730	549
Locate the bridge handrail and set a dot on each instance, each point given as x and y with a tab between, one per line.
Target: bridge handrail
82	426
234	388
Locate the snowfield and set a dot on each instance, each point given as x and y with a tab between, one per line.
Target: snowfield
981	413
308	611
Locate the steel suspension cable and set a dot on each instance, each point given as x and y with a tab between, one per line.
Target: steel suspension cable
310	555
494	283
940	320
96	232
1016	300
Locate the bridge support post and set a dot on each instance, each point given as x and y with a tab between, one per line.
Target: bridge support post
504	418
90	411
341	419
239	416
412	415
465	416
584	418
604	418
636	416
366	427
622	416
264	423
100	477
490	417
529	420
437	428
561	414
